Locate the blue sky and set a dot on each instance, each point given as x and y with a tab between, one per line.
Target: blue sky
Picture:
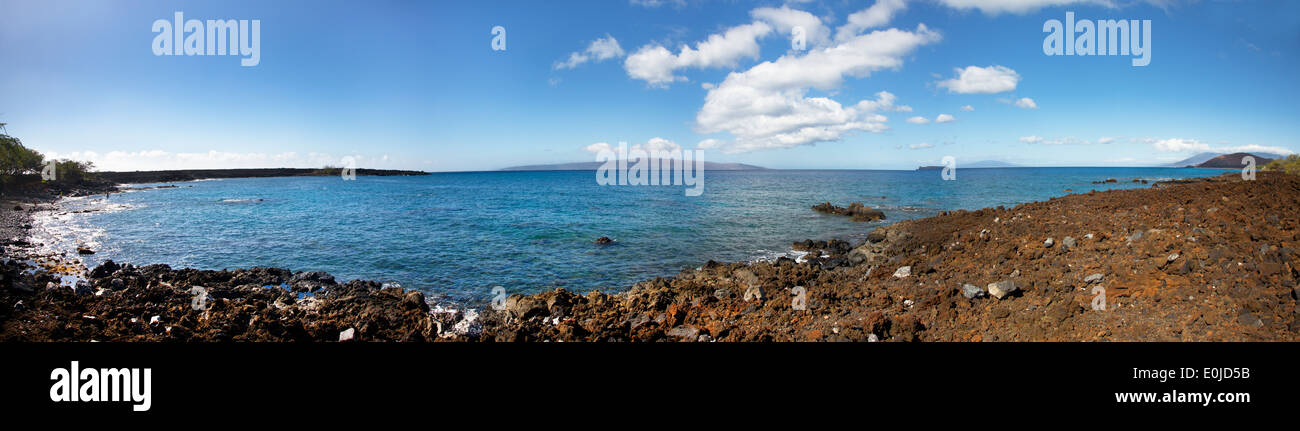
417	85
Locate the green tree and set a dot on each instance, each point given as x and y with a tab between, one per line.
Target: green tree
16	159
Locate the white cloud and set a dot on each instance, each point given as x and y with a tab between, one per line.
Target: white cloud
655	64
996	7
982	80
920	146
1254	148
1026	103
163	160
599	50
786	19
968	108
766	106
1182	145
1064	141
598	147
918	120
654	144
657	3
878	15
944	118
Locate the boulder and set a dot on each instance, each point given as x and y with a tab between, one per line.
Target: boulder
105	269
415	300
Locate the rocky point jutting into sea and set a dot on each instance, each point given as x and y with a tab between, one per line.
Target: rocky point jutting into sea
1192	260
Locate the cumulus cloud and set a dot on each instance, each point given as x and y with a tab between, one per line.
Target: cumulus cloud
878	15
654	144
1254	148
165	160
1026	103
997	7
1176	145
918	120
786	19
944	118
767	106
1182	145
982	80
656	65
600	49
968	108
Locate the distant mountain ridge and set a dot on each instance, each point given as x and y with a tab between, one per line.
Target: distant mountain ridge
1234	161
1206	156
974	165
591	166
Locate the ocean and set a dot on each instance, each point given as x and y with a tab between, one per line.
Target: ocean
457	235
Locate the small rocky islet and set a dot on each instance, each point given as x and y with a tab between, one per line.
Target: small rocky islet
1207	260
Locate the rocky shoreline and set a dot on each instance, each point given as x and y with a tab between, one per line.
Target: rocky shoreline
1206	260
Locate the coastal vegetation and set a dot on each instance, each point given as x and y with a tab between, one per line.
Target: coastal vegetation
21	166
1289	164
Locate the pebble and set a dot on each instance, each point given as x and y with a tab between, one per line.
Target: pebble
1068	242
348	335
685	331
1173	257
871	338
903	272
754	293
971	291
1093	278
1001	289
1048	243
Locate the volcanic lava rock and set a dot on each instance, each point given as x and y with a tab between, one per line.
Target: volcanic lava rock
856	210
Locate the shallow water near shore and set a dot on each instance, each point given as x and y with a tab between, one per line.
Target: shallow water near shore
456	235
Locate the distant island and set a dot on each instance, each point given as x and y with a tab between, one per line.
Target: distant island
200	174
591	166
975	165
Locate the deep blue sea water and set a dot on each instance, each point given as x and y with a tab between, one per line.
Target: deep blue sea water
459	234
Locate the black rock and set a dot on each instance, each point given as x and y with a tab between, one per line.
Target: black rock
105	269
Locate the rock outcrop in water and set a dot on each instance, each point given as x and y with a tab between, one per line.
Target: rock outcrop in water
856	210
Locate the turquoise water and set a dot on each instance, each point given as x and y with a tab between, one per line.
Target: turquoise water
459	234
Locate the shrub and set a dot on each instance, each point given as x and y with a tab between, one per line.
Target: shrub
1290	164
